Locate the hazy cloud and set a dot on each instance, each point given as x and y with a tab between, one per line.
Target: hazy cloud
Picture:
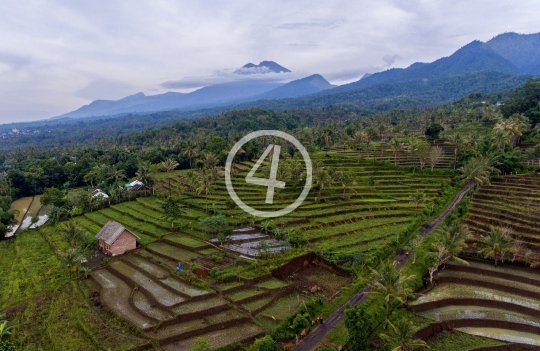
390	59
102	88
14	61
314	23
58	55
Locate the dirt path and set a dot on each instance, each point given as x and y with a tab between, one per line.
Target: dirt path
317	334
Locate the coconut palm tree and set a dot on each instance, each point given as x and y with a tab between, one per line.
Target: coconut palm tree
322	179
390	283
210	161
70	258
169	165
400	336
190	152
346	181
362	138
205	185
457	141
478	170
418	198
72	232
117	174
497	244
395	146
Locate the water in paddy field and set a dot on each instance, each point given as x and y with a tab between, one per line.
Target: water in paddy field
504	335
444	291
477	312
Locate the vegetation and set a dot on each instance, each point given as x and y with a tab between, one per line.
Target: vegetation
378	176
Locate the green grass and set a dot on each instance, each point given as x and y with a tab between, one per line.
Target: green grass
454	340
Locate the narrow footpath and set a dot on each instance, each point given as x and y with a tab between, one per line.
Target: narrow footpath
317	334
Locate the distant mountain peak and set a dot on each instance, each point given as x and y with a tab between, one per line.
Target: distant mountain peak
261	68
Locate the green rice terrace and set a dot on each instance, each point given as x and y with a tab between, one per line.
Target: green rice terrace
511	202
233	292
501	303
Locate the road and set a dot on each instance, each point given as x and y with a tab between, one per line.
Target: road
318	333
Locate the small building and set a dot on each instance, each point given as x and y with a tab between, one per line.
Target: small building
115	239
99	193
137	185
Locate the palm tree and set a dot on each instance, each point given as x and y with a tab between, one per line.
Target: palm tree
210	161
418	198
205	185
478	170
435	155
346	181
169	165
143	172
501	138
457	141
73	233
117	174
395	146
497	244
390	283
322	179
71	259
190	152
400	336
361	138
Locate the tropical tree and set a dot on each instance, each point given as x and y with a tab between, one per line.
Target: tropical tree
190	152
117	174
73	233
457	141
390	283
169	165
216	225
210	161
478	170
497	244
421	149
362	138
346	180
171	210
435	155
418	198
206	186
322	179
71	258
395	146
400	336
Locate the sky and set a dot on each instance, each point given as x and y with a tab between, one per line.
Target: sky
58	55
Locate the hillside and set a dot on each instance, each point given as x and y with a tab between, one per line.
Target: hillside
305	86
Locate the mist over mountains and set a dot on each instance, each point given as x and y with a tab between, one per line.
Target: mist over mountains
500	63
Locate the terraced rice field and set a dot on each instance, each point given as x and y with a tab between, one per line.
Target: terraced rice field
369	216
381	151
169	309
501	303
511	201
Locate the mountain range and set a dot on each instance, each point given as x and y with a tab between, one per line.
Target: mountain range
500	63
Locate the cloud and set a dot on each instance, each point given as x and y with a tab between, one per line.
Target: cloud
390	59
59	56
14	61
102	88
313	23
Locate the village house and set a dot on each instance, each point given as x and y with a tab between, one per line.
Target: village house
115	239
